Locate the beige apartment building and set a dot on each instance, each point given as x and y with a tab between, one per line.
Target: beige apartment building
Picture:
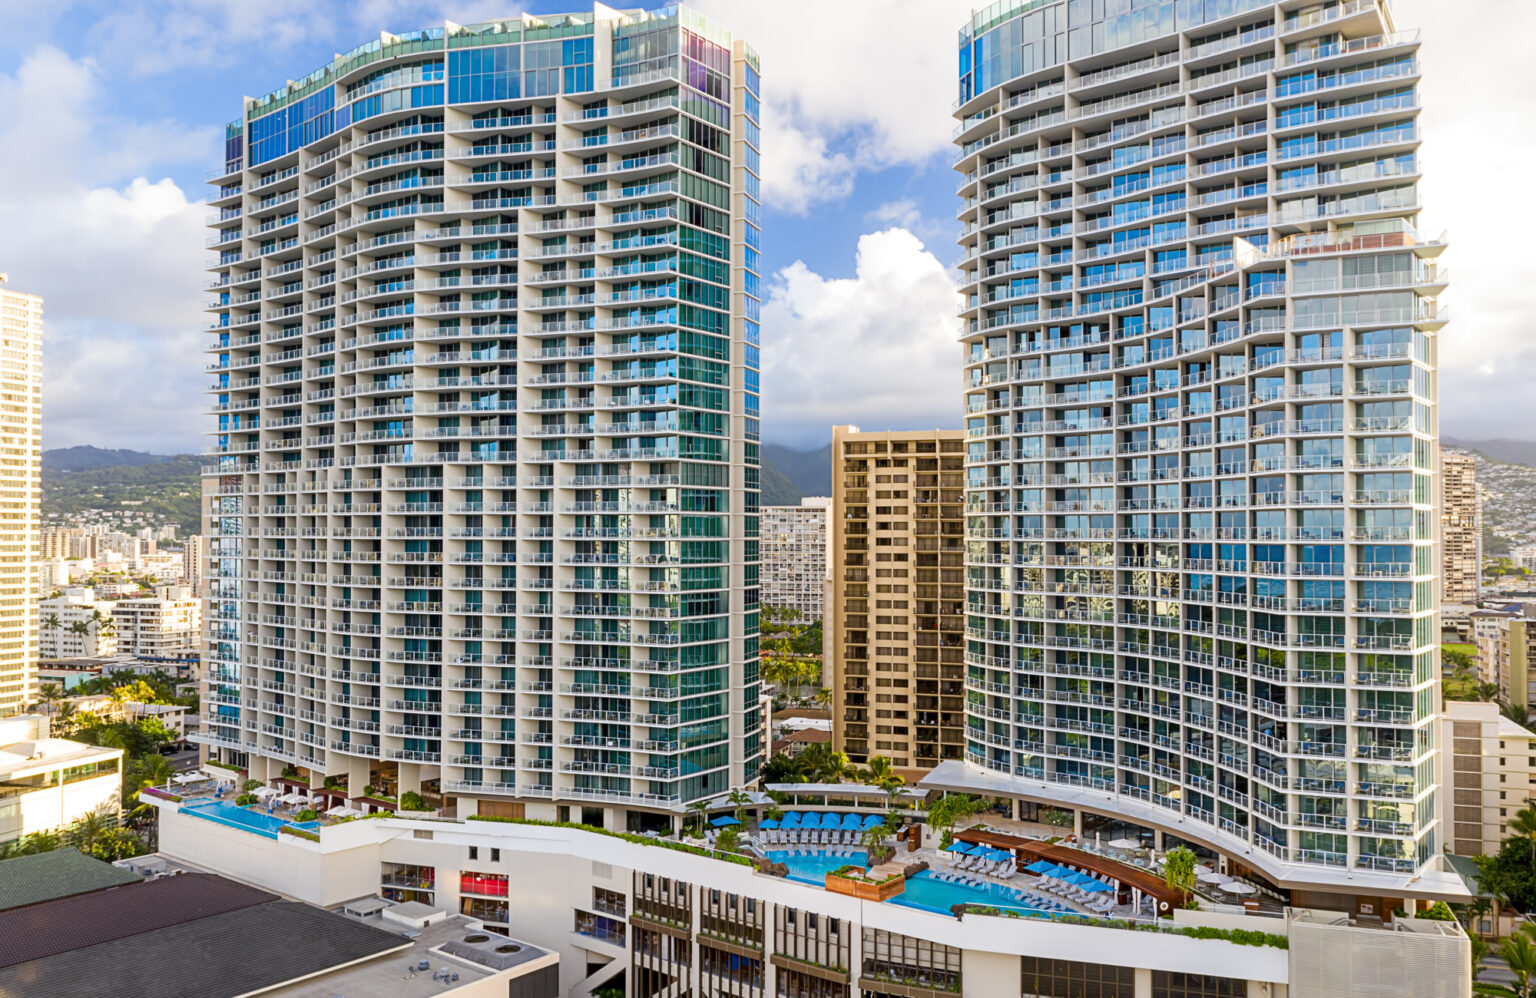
1503	641
21	496
1461	529
895	607
1492	764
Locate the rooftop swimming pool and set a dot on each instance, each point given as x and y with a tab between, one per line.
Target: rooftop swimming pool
926	893
922	891
813	868
225	812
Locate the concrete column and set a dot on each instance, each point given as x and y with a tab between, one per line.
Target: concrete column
357	776
1157	839
410	777
1143	983
1015	807
1077	823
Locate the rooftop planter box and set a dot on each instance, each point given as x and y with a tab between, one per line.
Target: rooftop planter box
854	882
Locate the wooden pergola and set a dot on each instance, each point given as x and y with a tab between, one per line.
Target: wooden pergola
1130	878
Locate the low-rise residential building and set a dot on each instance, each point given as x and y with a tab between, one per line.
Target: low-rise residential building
1491	763
47	784
165	625
794	552
75	624
1503	638
106	707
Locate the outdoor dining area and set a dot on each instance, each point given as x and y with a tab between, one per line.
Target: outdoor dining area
817	829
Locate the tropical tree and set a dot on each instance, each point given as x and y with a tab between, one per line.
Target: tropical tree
729	840
1179	871
1517	712
950	810
873	840
52	620
1523	825
88	830
739	799
781	768
699	811
878	771
1518	951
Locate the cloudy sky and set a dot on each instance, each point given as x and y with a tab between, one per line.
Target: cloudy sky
113	113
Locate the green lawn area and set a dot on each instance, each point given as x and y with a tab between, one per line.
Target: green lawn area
1459	687
1467	649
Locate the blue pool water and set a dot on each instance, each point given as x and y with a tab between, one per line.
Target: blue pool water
928	894
922	891
813	869
224	812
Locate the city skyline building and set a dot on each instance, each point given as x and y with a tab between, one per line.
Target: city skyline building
483	519
1461	530
893	633
21	492
794	552
1200	338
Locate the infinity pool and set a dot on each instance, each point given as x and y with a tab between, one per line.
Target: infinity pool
922	891
813	869
225	812
926	893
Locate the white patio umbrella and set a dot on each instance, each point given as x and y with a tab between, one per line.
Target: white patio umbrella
265	792
339	811
1124	844
1214	878
1238	887
293	798
1202	868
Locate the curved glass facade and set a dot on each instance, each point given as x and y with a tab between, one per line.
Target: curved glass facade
1200	334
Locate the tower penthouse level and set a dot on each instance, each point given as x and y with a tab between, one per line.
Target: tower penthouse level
483	503
1200	339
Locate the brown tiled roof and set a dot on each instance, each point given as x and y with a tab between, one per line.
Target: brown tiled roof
71	923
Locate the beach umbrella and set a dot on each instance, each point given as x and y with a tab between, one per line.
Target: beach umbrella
1237	887
791	820
1040	866
810	819
724	820
1214	878
959	847
1124	844
851	822
870	821
768	823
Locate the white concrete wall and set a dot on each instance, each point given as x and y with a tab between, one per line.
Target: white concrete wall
54	808
552	870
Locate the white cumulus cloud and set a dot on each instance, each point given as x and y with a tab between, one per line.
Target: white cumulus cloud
118	262
877	349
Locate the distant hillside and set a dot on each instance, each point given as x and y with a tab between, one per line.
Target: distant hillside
167	488
810	471
1508	451
66	459
778	490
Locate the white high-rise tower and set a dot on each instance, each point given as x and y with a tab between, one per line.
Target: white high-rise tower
483	520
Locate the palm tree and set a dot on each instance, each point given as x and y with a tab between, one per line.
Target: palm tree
1519	713
1523	824
699	809
51	621
878	771
1519	953
87	830
739	799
